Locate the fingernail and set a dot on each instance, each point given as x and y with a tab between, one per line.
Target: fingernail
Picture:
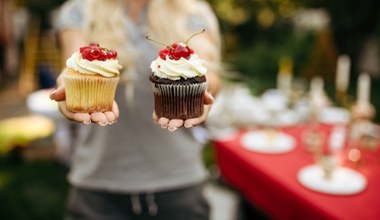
164	126
86	122
112	122
102	123
172	129
188	125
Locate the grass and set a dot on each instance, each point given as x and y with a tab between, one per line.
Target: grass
31	190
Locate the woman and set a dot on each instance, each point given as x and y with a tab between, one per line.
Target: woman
134	169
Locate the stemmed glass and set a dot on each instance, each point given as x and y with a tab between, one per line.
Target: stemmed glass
336	142
274	102
312	137
364	134
363	142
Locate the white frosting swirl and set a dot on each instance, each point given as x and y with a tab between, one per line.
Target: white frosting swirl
106	68
177	69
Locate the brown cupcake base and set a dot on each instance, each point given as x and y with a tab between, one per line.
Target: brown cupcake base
179	101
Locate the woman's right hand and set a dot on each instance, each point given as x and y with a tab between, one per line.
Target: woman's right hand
101	118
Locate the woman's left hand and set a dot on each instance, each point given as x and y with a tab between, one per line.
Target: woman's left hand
174	124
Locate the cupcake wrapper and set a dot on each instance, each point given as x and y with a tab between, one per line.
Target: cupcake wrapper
179	101
90	94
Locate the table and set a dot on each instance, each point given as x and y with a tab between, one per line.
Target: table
270	182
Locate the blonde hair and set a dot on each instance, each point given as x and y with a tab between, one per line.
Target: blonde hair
168	24
102	22
166	20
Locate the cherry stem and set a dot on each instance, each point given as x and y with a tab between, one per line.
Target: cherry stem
201	32
148	38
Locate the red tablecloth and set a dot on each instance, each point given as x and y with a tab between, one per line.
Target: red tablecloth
270	182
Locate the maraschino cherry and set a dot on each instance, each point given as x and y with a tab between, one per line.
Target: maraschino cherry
177	50
93	51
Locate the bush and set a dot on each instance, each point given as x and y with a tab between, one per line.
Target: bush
258	63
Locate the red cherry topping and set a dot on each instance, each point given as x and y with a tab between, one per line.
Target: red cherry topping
111	54
179	50
163	53
87	54
93	51
81	49
176	51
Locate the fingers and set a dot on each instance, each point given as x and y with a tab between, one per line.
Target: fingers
77	117
155	117
164	122
106	118
101	118
191	122
111	117
174	124
115	110
208	99
84	118
58	94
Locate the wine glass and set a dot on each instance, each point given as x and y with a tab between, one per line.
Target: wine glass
274	102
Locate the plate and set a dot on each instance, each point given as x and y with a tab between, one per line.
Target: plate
268	141
344	181
40	103
334	115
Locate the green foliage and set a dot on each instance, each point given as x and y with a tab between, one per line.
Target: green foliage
208	155
259	62
31	190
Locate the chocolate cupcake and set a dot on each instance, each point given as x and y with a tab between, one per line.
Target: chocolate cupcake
178	82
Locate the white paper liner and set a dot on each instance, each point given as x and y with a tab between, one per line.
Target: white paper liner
89	94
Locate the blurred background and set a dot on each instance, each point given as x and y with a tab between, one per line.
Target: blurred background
263	40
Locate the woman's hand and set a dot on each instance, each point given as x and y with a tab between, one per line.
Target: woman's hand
174	124
101	118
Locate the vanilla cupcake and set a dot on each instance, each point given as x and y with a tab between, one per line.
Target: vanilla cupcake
91	78
179	82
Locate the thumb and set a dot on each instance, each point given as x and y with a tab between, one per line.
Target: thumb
209	99
58	94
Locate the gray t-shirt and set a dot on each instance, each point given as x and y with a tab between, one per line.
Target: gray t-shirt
134	154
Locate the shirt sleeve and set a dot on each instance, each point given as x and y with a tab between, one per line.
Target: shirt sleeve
70	15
